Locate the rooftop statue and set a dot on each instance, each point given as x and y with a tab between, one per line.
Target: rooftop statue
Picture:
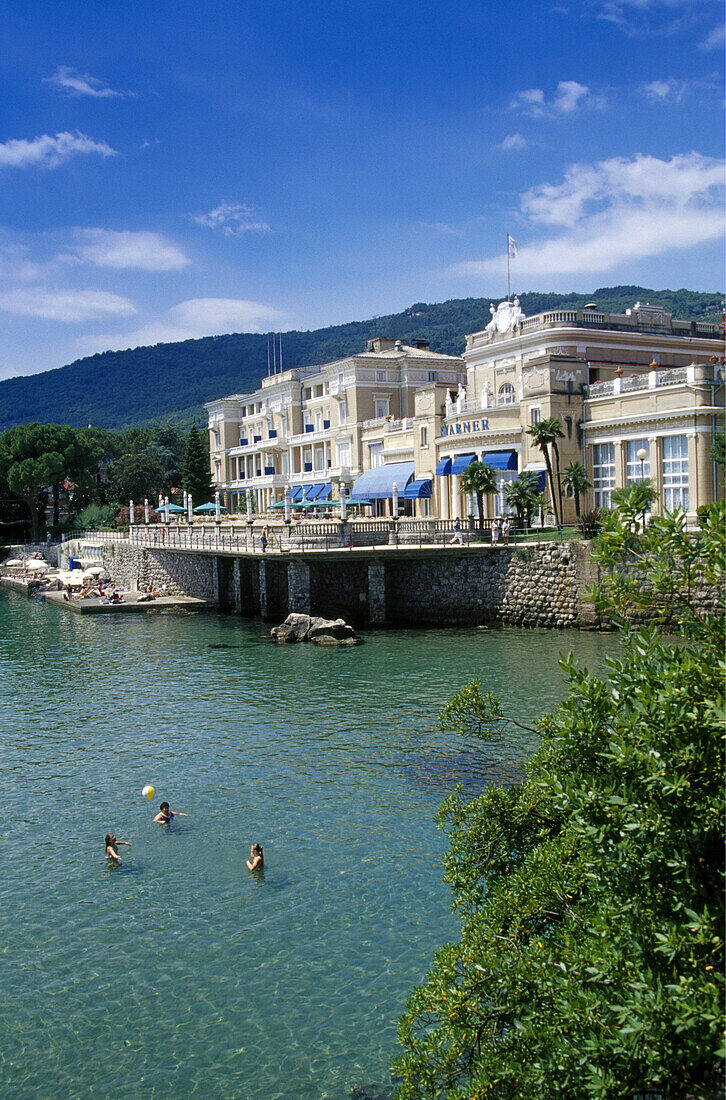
504	319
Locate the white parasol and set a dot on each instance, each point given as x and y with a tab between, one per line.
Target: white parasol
36	564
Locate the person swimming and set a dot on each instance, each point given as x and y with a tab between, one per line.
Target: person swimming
112	845
165	815
256	862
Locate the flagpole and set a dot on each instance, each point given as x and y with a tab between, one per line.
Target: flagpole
509	292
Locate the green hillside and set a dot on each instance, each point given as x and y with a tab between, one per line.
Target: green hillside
117	389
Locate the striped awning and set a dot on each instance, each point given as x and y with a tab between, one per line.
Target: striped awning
418	490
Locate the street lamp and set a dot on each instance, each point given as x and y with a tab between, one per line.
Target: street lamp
394	493
642	454
146	511
131	513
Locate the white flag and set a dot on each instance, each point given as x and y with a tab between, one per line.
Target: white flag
511	246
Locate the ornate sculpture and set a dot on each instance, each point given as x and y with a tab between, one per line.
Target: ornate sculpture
505	318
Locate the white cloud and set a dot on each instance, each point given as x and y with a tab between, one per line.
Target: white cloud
49	152
190	320
513	143
660	91
70	306
568	97
616	212
715	39
233	219
144	251
75	83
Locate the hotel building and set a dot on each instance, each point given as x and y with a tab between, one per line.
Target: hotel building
396	413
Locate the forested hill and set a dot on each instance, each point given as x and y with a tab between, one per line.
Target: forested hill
117	389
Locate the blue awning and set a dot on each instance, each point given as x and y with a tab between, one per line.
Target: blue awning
461	462
501	460
444	467
296	493
326	491
312	491
418	490
377	484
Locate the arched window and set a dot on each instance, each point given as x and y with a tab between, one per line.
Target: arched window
506	394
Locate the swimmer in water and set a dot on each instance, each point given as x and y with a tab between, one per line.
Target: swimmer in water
165	815
111	847
256	862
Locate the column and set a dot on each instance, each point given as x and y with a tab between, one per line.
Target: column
262	566
695	480
455	497
298	587
656	473
619	463
377	592
442	487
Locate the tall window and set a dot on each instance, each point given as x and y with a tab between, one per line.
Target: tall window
380	376
634	469
342	412
506	395
675	472
603	473
382	406
375	451
535	415
344	454
424	436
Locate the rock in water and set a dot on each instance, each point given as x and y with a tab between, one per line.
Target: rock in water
313	628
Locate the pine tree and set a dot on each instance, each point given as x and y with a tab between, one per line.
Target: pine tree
195	468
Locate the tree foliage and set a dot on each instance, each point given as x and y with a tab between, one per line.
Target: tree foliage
591	957
523	494
545	435
481	479
574	481
196	476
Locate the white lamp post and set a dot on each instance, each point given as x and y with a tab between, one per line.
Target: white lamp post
190	508
394	493
131	513
343	505
217	511
167	514
642	454
146	510
249	506
286	507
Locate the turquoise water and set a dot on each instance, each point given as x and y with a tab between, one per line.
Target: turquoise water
179	974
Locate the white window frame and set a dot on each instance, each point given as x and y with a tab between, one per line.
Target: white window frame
382	406
507	394
634	471
603	473
535	415
424	436
674	472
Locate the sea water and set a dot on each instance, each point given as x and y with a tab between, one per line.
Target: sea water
179	974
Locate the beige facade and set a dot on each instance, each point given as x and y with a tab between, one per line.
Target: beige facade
618	383
324	424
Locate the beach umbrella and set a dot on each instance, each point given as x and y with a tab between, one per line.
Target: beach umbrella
96	570
212	507
36	564
13	561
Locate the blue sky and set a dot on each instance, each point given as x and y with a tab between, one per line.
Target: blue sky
177	169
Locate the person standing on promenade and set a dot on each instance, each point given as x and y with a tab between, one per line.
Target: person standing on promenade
457	533
505	530
263	539
495	532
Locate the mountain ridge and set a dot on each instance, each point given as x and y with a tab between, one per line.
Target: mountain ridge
120	389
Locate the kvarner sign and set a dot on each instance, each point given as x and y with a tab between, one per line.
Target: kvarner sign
465	427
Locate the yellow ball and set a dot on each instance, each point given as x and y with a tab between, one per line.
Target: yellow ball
148	791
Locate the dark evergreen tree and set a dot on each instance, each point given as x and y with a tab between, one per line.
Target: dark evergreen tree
196	477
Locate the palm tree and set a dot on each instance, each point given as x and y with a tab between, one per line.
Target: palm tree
523	493
576	484
479	478
547	432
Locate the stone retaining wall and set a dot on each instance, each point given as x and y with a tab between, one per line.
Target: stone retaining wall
529	586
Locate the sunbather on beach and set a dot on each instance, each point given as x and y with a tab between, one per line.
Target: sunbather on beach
165	815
